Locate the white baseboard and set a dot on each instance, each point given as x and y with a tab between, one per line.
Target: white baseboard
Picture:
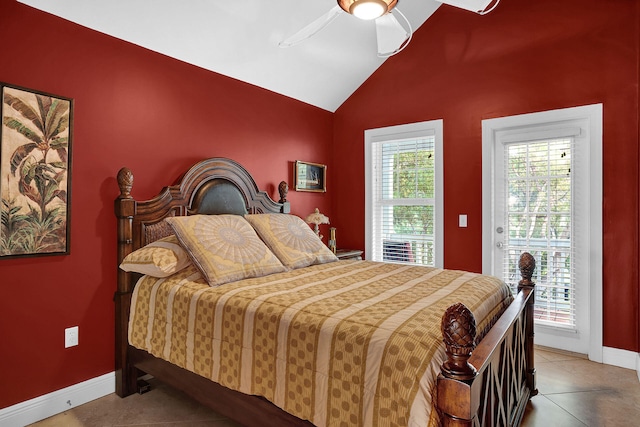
42	407
622	358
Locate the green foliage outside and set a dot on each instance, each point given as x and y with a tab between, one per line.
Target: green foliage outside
414	179
539	218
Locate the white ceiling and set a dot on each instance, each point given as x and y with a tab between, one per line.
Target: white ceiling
239	38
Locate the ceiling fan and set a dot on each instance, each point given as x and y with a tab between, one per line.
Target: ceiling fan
392	36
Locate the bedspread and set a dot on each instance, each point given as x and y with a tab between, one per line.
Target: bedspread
354	343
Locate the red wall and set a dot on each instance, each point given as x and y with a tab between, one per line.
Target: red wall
155	115
164	115
525	56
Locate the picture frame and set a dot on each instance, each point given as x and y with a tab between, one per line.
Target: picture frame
35	172
310	176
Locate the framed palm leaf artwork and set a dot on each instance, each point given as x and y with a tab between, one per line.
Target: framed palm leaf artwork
35	172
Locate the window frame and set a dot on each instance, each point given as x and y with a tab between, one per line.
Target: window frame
429	128
541	125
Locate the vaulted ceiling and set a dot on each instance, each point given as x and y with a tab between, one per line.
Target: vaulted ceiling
239	39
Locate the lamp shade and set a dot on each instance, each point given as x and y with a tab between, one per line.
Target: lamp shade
367	9
317	218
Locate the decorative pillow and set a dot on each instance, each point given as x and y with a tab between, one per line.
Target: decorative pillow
224	247
161	258
291	239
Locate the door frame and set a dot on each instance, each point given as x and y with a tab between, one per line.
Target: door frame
593	114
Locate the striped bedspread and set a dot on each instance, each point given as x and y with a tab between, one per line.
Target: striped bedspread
353	343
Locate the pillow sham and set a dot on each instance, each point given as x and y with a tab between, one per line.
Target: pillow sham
291	239
224	247
159	259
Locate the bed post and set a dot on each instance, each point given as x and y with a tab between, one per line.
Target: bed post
125	209
527	264
283	190
500	367
455	396
459	335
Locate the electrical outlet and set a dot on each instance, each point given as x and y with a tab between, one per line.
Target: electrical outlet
71	337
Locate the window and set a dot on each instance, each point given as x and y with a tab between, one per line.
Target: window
403	168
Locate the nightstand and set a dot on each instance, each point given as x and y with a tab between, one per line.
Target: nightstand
349	254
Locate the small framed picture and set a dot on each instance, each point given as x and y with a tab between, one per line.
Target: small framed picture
310	176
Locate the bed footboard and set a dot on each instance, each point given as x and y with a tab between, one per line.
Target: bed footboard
489	384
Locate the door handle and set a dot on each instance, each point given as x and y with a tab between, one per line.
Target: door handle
499	245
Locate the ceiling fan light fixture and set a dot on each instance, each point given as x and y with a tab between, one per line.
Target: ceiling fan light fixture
367	9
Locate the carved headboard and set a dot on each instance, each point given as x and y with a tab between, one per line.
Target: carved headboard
211	186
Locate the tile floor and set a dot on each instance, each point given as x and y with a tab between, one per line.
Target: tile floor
576	392
572	392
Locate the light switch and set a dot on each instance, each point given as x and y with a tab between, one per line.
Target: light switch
462	220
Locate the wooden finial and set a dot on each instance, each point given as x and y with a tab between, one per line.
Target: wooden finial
526	264
283	189
125	182
459	334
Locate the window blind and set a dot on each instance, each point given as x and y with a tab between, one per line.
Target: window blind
403	200
539	219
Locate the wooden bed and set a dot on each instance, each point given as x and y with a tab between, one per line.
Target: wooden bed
485	384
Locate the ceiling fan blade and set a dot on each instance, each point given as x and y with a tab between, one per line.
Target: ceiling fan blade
391	35
480	7
311	28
